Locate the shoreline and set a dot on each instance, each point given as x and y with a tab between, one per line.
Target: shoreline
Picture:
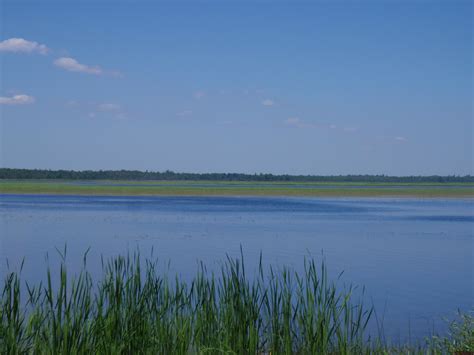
235	189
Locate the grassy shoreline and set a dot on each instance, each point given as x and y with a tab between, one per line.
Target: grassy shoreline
179	188
239	182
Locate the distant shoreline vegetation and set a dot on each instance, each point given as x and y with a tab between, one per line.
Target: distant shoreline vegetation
43	174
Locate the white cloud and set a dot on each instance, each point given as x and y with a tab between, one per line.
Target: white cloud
184	113
109	107
268	102
17	100
332	126
20	45
73	65
91	114
199	94
400	139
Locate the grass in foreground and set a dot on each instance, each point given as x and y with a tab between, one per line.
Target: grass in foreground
135	309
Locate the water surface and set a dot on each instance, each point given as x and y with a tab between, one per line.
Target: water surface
414	256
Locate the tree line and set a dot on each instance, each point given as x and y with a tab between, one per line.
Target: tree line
8	173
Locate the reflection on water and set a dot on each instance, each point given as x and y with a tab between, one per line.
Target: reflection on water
414	256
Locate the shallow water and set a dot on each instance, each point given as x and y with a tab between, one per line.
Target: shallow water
414	256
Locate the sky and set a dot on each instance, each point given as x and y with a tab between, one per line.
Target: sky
283	87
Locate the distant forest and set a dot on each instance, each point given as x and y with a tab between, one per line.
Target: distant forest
6	173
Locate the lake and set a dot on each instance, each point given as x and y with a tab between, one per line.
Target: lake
414	256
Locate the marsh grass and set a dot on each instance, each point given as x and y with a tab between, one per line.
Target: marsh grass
135	308
179	188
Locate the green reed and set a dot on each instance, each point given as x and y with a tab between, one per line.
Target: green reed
135	308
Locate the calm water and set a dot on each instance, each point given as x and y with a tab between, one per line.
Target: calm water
414	256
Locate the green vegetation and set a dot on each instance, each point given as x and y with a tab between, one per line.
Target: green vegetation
209	188
6	173
134	309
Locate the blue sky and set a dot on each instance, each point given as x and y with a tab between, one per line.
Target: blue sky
355	87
